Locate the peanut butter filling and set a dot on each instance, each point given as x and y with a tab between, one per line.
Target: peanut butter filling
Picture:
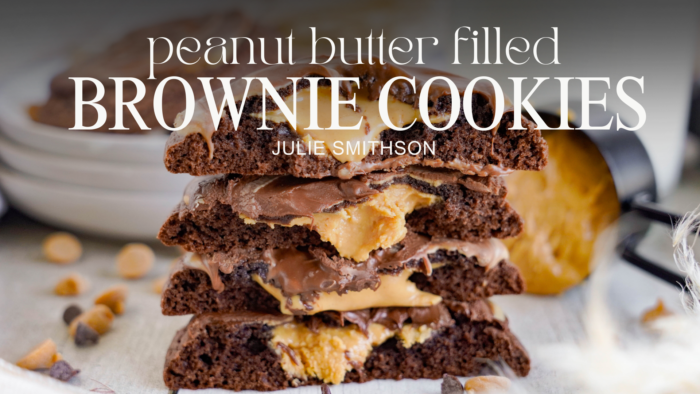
411	334
379	222
294	272
339	142
330	352
576	201
394	291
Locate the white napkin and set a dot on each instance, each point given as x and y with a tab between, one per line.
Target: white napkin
16	380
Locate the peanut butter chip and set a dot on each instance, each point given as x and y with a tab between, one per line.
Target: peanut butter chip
41	357
99	318
158	284
71	285
135	260
487	385
655	313
62	248
114	298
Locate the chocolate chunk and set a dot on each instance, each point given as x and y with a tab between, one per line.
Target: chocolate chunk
71	313
61	370
325	389
450	385
86	335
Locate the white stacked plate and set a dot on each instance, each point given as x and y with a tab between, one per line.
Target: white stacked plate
105	184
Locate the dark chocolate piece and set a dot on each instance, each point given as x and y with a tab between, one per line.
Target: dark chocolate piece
225	351
71	313
86	335
61	370
450	385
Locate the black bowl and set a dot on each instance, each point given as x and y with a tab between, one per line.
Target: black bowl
635	184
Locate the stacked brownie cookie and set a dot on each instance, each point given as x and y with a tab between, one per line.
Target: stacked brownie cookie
333	267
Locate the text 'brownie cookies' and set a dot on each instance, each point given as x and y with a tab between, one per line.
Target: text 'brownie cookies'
201	148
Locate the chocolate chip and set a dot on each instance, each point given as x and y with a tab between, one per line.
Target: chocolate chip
71	313
86	335
450	385
61	370
325	389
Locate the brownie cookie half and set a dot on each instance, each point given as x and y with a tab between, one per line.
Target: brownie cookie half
417	272
249	351
201	148
353	216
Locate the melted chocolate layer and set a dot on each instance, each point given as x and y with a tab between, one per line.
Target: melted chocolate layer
436	317
282	198
189	290
278	197
309	272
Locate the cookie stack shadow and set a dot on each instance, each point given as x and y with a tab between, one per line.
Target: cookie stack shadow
305	269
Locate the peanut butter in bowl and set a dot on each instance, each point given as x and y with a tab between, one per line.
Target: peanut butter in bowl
566	206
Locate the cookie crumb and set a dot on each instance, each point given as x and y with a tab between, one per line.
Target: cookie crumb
71	313
61	370
135	261
325	389
73	284
62	248
41	357
114	298
658	311
99	318
450	385
86	335
487	385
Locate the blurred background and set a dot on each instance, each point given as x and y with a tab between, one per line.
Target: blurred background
114	185
110	189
